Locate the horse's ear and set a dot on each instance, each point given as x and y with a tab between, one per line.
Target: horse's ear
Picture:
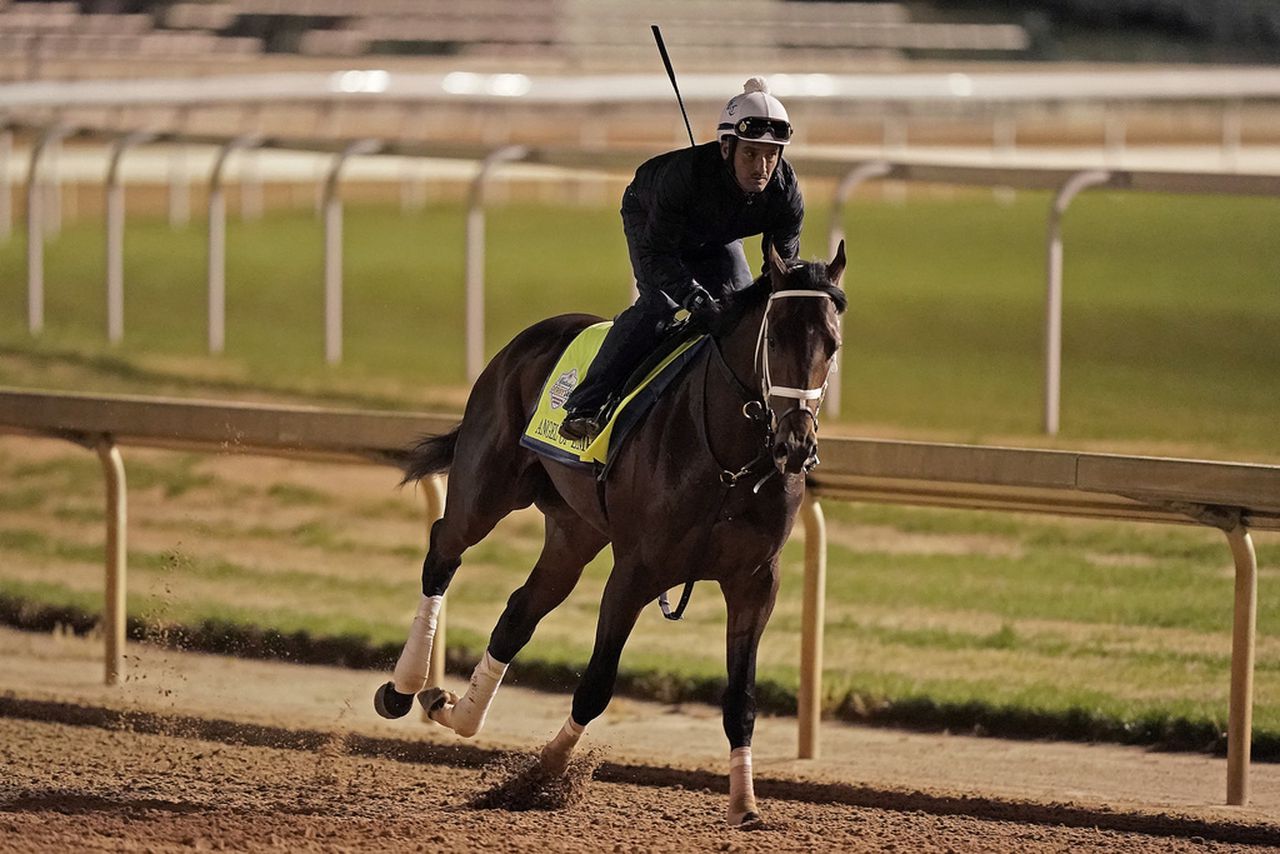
777	269
835	270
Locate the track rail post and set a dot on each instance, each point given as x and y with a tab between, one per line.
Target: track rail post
1053	299
1243	641
809	706
217	268
36	227
855	178
475	256
114	617
332	205
115	234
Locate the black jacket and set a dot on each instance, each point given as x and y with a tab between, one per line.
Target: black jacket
686	199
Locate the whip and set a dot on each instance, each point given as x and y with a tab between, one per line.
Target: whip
671	73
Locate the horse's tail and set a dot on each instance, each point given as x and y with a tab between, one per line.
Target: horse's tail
432	455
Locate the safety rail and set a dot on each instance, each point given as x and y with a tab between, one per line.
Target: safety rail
849	174
1233	497
104	423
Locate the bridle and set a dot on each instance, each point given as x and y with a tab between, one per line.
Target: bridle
768	390
758	409
756	406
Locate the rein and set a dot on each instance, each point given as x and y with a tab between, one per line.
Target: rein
754	408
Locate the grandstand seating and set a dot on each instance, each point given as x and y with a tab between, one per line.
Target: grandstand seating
578	31
61	29
614	33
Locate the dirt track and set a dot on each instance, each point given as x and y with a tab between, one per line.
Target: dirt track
85	788
204	752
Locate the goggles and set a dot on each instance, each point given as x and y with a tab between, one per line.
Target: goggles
755	127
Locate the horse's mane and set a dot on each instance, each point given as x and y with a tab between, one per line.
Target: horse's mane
806	275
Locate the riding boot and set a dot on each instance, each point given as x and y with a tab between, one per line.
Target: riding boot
633	336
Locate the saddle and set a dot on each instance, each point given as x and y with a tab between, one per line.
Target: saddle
627	408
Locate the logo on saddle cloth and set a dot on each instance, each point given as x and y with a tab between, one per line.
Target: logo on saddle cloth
559	391
542	435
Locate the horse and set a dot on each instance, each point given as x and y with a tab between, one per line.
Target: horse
707	487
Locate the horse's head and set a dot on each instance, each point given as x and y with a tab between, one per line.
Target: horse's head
796	352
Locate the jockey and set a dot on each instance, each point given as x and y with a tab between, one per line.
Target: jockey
685	215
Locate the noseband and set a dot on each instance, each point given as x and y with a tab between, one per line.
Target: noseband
802	396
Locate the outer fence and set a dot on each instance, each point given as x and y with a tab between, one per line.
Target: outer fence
995	95
1233	497
850	174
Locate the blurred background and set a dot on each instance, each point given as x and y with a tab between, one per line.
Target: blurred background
541	40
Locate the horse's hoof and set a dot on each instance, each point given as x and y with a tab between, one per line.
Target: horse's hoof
390	703
552	767
434	699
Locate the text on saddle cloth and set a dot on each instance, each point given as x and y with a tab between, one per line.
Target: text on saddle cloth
542	435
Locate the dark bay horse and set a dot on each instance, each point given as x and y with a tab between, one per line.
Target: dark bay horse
706	488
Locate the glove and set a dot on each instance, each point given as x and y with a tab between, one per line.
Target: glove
702	307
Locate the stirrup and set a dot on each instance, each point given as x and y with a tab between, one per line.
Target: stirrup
577	427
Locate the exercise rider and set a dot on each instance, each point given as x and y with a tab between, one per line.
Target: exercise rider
685	215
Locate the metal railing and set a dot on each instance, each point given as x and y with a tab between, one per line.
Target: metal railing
1066	184
1232	497
107	423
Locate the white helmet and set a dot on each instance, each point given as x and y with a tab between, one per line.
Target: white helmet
755	115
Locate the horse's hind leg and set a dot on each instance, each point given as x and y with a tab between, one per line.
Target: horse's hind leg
480	495
570	543
395	698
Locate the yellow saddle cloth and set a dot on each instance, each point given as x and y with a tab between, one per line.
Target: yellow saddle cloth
542	435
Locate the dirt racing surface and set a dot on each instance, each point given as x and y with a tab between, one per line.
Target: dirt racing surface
209	753
89	788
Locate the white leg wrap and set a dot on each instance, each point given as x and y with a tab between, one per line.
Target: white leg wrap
555	756
415	660
466	716
742	795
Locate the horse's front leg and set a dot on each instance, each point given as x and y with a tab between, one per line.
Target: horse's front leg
749	598
624	597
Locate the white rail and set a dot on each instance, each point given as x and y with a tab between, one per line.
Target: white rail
332	206
412	90
849	174
1233	497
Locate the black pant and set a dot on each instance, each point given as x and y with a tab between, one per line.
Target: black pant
720	269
